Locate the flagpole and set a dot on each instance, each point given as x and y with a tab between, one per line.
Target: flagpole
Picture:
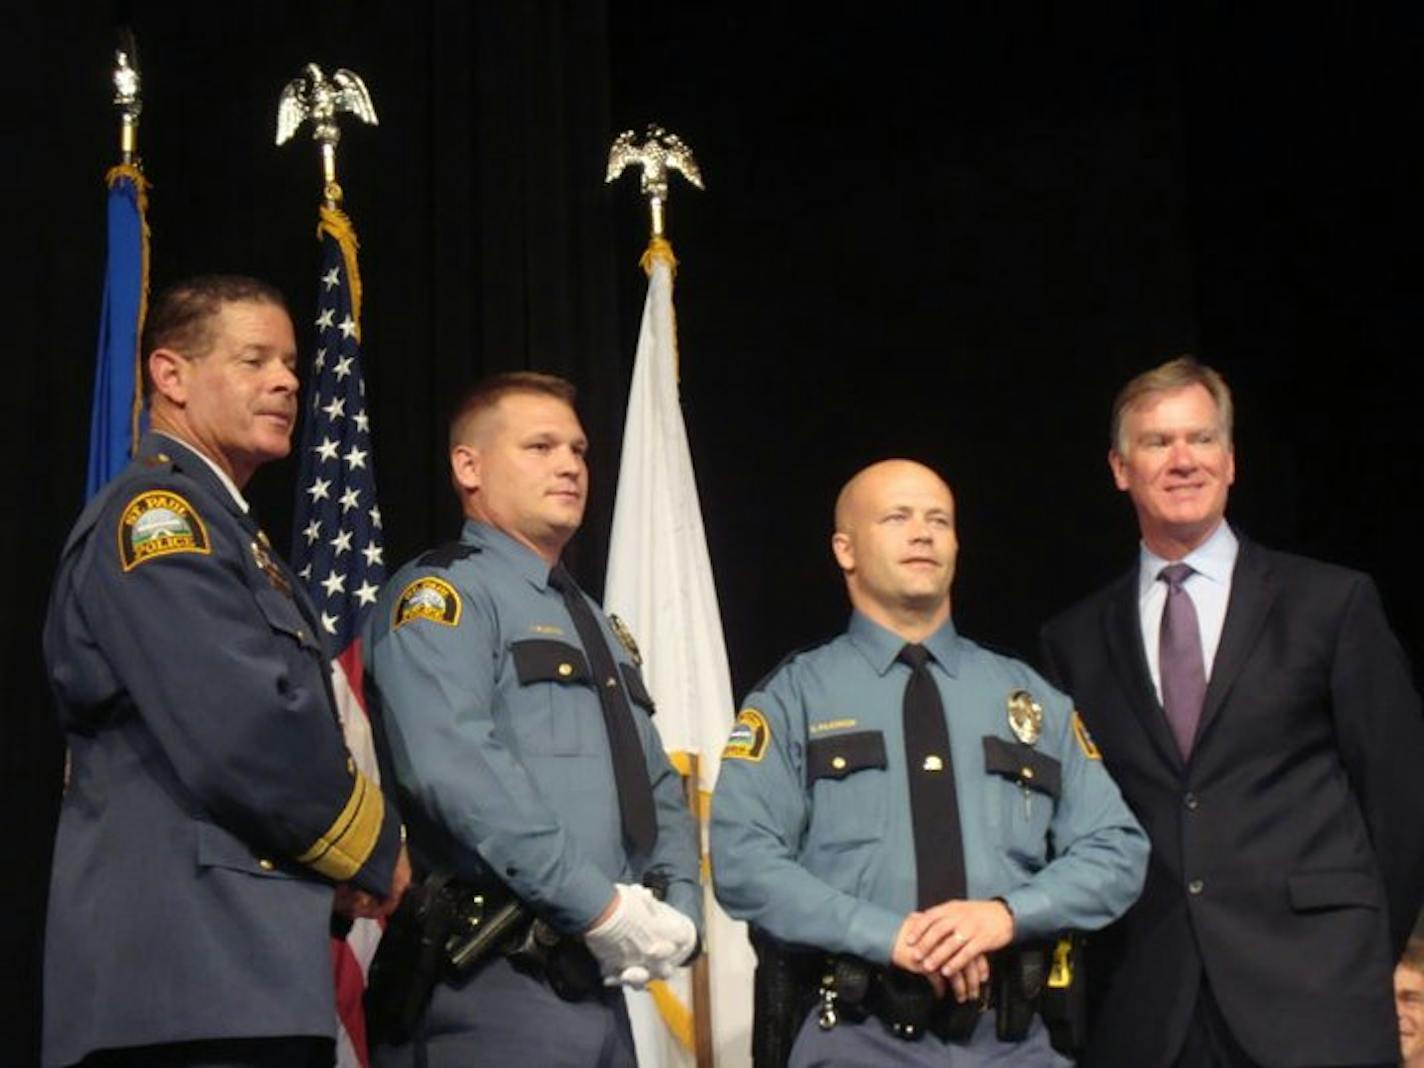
336	539
116	414
656	155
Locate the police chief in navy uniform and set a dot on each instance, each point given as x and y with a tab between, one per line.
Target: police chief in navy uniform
818	838
521	736
1271	745
210	804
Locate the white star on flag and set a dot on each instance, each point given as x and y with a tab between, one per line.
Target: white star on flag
342	368
341	543
323	321
336	409
313	531
331	278
334	582
327	449
348	326
355	458
319	489
350	499
366	593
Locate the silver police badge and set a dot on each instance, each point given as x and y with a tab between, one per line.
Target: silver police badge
624	635
1025	717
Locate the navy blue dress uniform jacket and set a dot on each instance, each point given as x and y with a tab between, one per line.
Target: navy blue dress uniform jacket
1287	853
210	801
811	831
487	703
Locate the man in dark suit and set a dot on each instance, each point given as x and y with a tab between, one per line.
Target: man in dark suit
1261	720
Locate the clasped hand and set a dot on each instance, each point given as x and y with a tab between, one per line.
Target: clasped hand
949	944
640	939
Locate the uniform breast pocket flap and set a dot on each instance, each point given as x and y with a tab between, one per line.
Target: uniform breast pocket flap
1023	765
282	614
839	755
637	689
545	660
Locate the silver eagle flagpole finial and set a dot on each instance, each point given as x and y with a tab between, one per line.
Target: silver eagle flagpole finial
659	153
128	93
313	95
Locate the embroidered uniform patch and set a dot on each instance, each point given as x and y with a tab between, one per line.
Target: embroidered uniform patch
1085	740
159	523
428	598
749	738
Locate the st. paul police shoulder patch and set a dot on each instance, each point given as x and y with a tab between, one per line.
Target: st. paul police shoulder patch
429	598
159	523
1085	740
750	736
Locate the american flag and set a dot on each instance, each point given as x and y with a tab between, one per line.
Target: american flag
336	548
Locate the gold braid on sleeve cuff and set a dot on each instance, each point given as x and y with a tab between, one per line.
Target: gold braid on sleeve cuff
342	848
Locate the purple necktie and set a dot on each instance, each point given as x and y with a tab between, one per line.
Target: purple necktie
1183	667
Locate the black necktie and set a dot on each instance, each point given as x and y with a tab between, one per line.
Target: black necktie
934	808
630	770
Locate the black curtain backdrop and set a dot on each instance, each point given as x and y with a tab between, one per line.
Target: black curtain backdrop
950	236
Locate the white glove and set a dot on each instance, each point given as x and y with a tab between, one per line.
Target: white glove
631	939
680	931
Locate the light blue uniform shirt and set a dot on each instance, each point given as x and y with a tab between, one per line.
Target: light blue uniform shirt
497	734
829	861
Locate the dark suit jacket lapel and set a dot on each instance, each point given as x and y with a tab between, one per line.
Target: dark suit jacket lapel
1252	594
1124	641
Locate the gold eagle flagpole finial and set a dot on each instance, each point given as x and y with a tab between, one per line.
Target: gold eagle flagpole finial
128	94
311	95
659	153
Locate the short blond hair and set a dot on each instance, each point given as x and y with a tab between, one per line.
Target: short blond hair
1173	375
486	394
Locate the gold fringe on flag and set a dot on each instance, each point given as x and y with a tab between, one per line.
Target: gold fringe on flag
659	248
335	222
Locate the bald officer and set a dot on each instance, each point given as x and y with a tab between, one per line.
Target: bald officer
211	804
522	740
910	809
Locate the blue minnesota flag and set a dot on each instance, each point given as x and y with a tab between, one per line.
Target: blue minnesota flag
116	418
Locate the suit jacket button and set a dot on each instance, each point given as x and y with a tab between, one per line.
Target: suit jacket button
1191	801
1196	886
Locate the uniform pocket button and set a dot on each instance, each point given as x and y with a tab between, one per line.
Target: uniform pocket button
1191	801
1195	887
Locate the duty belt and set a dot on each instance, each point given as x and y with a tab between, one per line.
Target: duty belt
906	1003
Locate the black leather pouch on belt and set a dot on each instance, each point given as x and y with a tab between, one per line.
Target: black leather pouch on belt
1018	975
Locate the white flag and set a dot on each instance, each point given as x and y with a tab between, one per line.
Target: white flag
660	583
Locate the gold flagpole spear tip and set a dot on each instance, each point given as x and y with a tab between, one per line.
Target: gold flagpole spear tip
311	95
659	153
128	94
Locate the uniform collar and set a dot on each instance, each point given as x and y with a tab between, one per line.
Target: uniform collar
521	559
157	443
881	647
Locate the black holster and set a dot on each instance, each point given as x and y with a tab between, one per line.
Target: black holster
783	992
409	961
1018	975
